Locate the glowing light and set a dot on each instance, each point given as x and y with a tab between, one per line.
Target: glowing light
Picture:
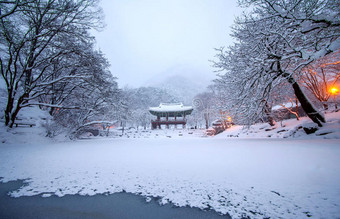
334	90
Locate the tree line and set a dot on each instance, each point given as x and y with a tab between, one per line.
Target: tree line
284	51
48	59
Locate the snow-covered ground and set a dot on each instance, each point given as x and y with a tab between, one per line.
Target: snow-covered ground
242	176
291	128
24	133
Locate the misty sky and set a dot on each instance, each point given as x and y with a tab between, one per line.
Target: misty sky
144	39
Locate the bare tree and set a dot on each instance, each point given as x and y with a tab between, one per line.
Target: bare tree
321	75
8	7
290	108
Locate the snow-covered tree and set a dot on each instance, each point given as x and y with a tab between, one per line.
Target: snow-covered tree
97	98
32	42
139	100
273	43
205	108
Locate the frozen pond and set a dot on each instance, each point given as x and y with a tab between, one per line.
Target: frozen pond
118	205
258	178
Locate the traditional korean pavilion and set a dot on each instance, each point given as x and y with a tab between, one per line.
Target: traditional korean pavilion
170	114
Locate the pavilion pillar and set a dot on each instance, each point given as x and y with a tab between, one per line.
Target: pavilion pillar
167	119
184	121
175	121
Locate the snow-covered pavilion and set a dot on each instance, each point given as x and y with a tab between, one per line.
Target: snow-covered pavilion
170	114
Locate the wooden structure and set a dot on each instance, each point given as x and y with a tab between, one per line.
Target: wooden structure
170	114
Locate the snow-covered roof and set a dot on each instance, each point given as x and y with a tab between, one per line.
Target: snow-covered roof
171	107
288	105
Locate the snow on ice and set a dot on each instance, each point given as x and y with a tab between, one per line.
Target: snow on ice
264	177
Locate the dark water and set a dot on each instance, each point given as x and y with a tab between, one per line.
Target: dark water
119	205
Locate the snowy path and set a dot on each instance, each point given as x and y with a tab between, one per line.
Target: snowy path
255	177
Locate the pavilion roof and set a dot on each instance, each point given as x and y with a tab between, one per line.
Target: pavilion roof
171	108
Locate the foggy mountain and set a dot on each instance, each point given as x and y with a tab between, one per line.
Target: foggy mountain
182	82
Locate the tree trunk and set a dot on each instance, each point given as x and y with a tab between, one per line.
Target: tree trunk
9	106
206	118
297	108
17	109
325	106
14	116
8	110
306	105
268	112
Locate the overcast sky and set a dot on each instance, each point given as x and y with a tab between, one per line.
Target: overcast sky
146	38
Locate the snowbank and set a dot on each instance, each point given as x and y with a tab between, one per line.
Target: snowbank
29	116
291	128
